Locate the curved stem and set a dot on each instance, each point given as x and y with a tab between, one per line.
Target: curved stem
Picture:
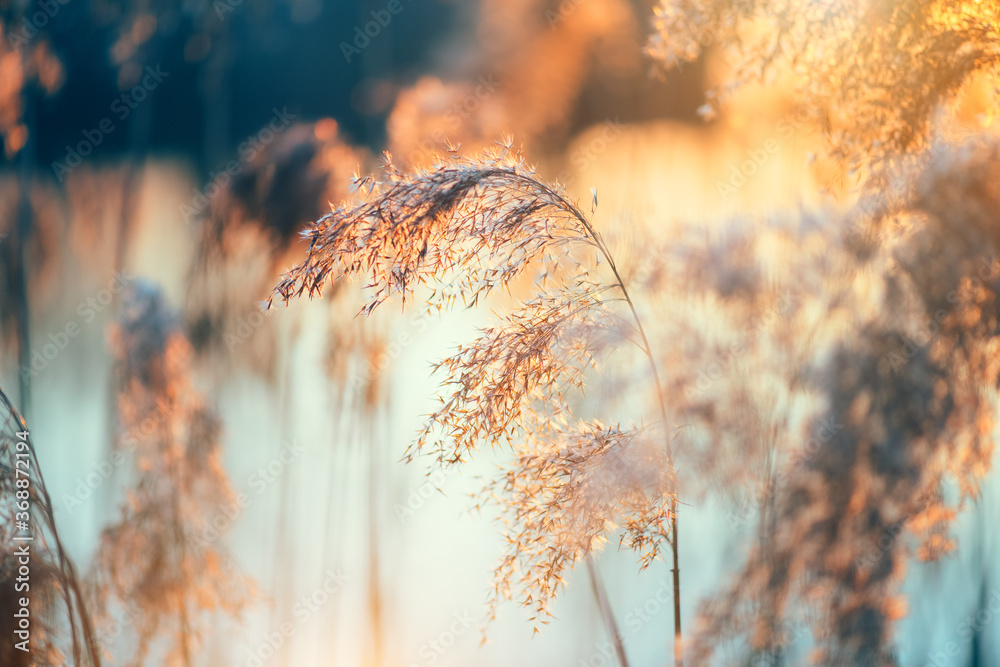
647	349
676	572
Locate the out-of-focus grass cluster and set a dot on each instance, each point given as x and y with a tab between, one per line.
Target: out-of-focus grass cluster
830	365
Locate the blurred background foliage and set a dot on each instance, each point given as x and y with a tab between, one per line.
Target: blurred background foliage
221	474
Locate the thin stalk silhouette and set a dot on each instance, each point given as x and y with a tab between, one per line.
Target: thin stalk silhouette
607	615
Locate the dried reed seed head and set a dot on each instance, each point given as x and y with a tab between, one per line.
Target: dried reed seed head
485	218
465	227
567	490
60	629
141	336
897	408
543	350
248	229
162	555
873	72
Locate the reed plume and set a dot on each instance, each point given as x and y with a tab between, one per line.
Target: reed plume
466	227
874	73
905	407
58	612
155	556
245	226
